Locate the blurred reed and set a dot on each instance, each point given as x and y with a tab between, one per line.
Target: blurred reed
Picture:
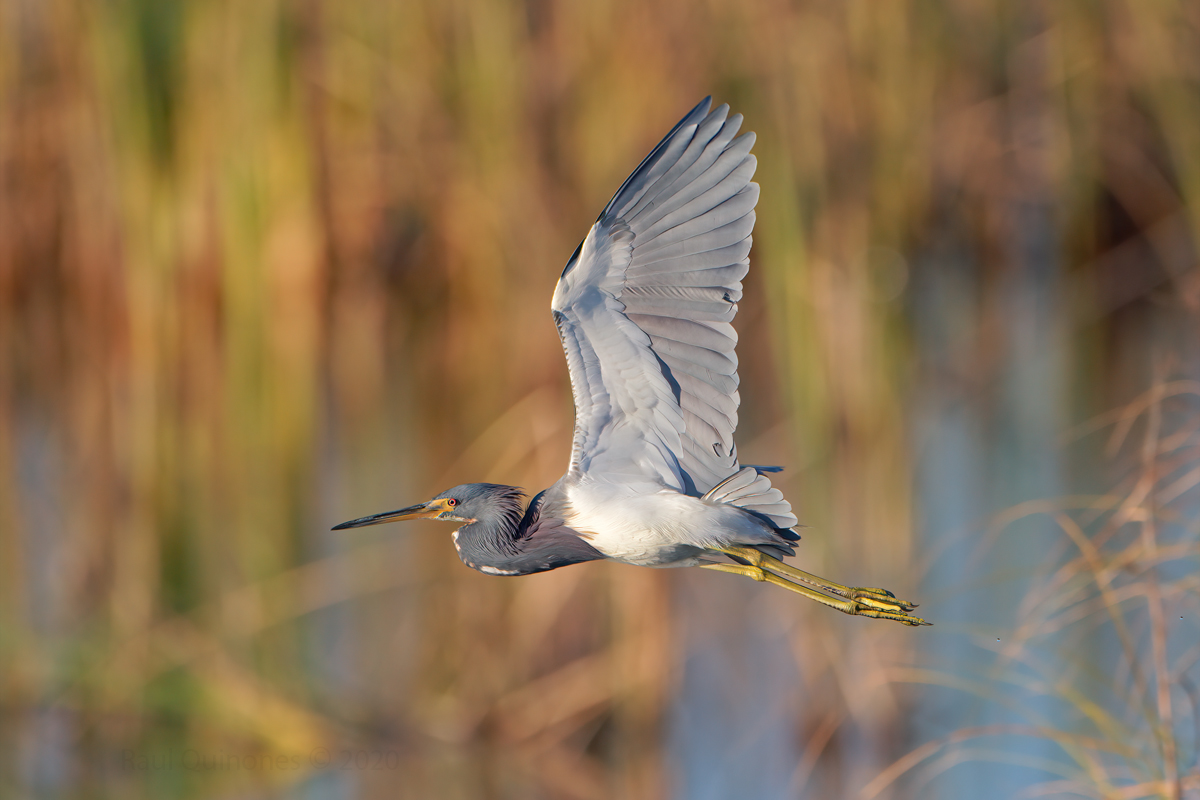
1105	642
264	267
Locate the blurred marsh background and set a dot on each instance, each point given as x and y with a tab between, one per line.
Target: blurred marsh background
268	266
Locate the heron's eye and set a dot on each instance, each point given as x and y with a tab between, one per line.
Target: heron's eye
451	502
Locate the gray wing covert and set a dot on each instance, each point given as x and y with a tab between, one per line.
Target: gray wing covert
644	310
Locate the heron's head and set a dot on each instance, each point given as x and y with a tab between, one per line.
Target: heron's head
467	503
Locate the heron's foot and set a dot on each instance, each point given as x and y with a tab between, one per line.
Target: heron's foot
857	601
880	598
872	607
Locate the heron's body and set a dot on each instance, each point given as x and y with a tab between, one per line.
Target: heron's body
644	309
650	525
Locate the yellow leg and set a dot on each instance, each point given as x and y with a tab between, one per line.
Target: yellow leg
879	598
876	603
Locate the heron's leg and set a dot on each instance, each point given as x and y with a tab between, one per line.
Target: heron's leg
853	607
877	598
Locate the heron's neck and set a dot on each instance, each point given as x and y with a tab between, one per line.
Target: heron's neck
498	533
513	541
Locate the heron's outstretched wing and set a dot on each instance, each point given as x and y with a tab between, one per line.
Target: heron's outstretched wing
644	309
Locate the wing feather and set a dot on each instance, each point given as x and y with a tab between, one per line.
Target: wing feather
720	381
711	132
644	310
675	245
708	192
685	331
724	258
706	303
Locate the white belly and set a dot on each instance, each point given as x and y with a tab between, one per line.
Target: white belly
656	528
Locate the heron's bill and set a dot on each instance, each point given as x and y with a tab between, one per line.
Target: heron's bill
419	511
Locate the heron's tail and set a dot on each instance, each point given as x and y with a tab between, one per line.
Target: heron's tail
751	490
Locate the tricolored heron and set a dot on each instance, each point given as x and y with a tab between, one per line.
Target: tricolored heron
644	308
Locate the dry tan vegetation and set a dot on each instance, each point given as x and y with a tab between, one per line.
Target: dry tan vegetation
268	266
